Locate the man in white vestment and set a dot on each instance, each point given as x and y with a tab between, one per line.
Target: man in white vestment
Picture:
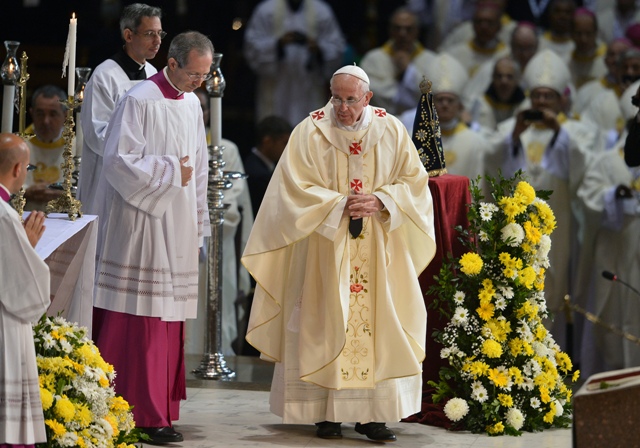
396	68
142	34
338	305
553	152
293	46
587	59
610	193
24	297
46	146
152	203
558	37
485	45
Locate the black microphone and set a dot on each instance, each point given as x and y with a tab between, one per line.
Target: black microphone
614	278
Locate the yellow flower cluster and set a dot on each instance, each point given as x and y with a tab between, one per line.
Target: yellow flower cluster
471	263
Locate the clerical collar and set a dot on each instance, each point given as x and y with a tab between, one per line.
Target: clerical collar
363	123
168	89
5	195
133	70
36	141
449	126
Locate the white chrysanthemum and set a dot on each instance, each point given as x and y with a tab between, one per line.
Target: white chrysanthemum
106	426
506	291
456	409
483	236
476	385
542	254
458	297
480	395
59	320
460	316
559	408
515	418
487	210
48	341
540	349
67	439
512	234
445	353
527	384
65	346
501	304
535	402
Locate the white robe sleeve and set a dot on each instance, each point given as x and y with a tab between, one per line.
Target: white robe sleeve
146	181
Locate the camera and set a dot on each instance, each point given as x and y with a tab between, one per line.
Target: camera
532	115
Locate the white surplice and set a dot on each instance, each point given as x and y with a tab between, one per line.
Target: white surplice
107	85
24	297
343	318
150	226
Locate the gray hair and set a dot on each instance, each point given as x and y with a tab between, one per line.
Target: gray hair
132	15
362	84
49	91
184	43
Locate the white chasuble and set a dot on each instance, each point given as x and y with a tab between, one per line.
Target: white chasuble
343	318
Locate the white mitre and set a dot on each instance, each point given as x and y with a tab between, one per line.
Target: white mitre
547	69
352	70
447	75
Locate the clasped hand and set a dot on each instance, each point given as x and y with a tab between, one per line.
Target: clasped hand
185	171
362	205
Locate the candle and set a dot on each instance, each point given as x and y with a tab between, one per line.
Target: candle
71	41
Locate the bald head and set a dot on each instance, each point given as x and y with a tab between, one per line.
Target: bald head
524	43
14	158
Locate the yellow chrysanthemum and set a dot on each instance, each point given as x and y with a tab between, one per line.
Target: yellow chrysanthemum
532	233
81	442
505	400
57	428
511	208
498	378
515	346
525	193
114	424
64	409
83	415
516	374
541	332
549	416
575	376
46	397
492	348
527	276
471	263
546	215
564	362
478	368
498	428
119	404
544	394
485	311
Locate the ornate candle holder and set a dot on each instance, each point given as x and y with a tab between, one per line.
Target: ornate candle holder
213	365
67	203
19	201
10	73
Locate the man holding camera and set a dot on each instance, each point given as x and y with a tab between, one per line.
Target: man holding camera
553	150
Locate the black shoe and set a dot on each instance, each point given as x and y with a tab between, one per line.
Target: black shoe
376	431
329	430
161	436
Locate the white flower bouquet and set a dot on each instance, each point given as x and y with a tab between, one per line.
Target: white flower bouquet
506	373
80	406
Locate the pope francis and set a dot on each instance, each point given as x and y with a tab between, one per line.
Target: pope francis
345	229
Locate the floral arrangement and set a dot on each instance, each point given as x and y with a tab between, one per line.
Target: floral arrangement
506	373
80	406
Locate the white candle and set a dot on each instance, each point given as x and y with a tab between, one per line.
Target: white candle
71	81
7	107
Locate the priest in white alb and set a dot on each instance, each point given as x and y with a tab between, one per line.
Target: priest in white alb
152	199
339	308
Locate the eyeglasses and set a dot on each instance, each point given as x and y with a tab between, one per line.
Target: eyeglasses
198	76
338	102
31	167
151	34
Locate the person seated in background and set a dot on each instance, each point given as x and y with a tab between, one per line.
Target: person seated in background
587	59
396	68
557	37
272	136
47	145
503	96
485	45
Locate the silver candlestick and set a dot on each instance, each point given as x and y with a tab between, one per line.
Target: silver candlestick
213	365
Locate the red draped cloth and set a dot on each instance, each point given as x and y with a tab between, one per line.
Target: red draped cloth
450	199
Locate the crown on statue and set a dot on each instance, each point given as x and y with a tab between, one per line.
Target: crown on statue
426	133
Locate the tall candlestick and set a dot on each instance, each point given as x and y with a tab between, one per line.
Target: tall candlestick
71	40
215	120
10	73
